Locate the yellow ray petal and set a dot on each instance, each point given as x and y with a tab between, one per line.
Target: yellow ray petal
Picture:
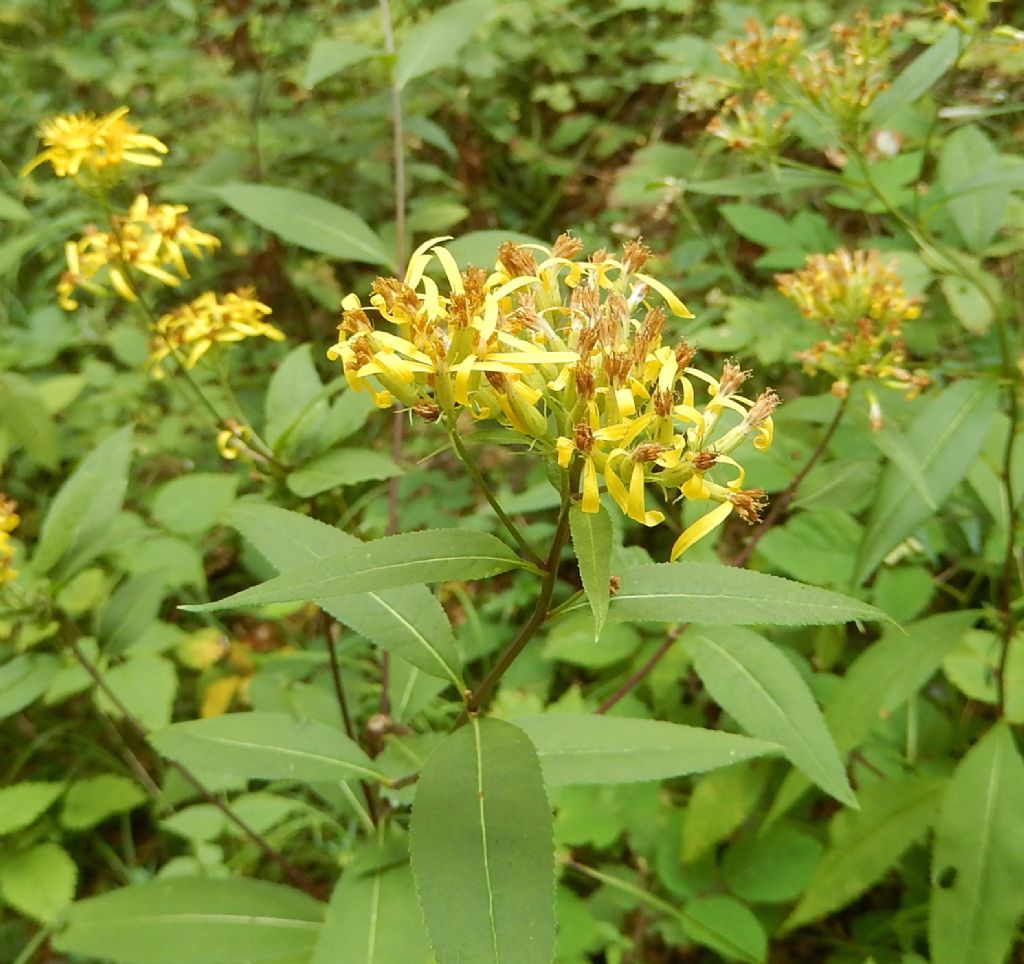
705	524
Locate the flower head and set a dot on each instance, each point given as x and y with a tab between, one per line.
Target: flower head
8	523
206	321
151	240
572	355
861	302
84	142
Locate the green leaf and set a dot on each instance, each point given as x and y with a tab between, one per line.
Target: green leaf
24	415
409	622
373	918
482	848
614	749
77	525
592	543
435	41
200	920
719	595
146	684
772	866
341	467
760	225
979	214
295	401
190	504
12	209
24	679
720	803
978	861
894	447
762	690
330	56
974	666
91	801
130	611
968	303
726	926
917	78
265	746
879	681
21	803
434	555
39	882
480	248
944	439
308	221
758	185
866	843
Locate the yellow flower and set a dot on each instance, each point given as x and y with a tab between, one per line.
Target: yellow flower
861	302
569	354
151	239
206	321
74	142
9	520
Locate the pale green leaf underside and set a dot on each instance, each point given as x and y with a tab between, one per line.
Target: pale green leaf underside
200	920
576	749
265	746
408	621
701	592
760	688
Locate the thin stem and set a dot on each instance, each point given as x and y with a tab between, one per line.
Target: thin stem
782	501
346	716
476	700
293	873
484	486
644	671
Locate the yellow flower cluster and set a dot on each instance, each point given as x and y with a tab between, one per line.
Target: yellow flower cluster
152	239
206	321
763	55
840	79
8	523
861	301
845	78
571	355
77	142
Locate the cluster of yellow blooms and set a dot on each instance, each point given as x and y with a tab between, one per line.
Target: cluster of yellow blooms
841	79
207	320
150	238
84	142
8	523
150	241
861	302
571	355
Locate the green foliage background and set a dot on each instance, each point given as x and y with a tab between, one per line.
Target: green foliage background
785	776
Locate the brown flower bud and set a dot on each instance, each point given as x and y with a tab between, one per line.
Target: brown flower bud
583	437
516	259
749	504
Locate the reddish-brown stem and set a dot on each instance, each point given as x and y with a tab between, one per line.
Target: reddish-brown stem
634	680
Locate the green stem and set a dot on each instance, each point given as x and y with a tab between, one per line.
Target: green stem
478	698
483	485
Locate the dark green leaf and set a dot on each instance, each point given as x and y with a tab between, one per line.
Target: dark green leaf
341	467
917	78
592	542
482	848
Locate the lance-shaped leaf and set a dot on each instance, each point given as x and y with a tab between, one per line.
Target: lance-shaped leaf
77	524
592	543
482	848
701	592
434	555
265	746
757	685
409	622
201	920
944	441
866	843
308	221
978	861
917	78
435	41
373	918
614	749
